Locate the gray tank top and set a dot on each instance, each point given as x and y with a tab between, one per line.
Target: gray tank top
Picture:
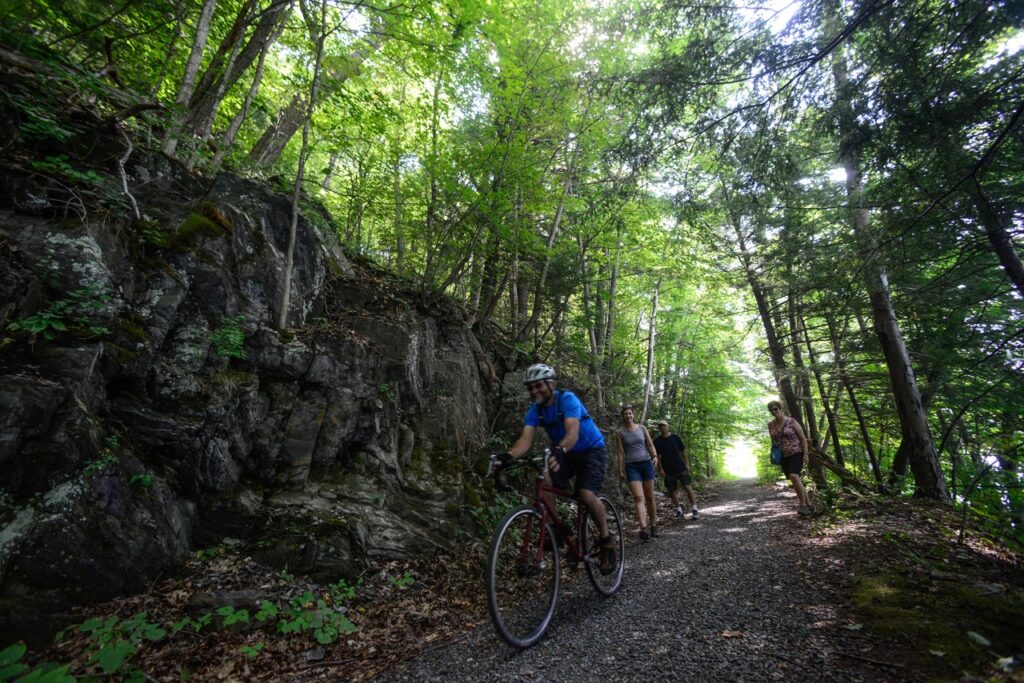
634	444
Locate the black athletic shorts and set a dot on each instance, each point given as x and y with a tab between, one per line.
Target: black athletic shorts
674	481
793	464
588	467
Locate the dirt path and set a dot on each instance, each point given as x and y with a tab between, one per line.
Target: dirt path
727	597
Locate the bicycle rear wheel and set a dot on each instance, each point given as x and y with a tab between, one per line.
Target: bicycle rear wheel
522	578
606	584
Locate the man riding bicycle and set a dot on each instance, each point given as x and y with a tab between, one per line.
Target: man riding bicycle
577	450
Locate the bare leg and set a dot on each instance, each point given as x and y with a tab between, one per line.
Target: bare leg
801	492
638	500
596	510
652	510
690	496
675	498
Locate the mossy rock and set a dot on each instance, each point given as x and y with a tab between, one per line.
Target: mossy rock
194	227
133	326
938	620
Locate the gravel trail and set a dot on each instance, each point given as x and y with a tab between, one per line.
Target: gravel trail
737	595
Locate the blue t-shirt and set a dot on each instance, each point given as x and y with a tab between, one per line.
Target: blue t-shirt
590	435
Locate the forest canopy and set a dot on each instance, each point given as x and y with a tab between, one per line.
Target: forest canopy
690	207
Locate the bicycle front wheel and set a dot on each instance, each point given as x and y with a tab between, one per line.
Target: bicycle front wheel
522	577
606	584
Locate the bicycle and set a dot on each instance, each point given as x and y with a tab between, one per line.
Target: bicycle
523	564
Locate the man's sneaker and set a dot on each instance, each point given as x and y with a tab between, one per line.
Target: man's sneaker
696	513
644	535
679	513
607	565
654	532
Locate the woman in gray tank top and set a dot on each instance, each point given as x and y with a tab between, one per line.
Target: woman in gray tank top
637	460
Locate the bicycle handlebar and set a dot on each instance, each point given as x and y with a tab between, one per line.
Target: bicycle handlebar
540	463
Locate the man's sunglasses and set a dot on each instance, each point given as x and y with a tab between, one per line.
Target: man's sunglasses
534	385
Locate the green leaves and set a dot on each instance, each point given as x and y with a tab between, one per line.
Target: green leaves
12	668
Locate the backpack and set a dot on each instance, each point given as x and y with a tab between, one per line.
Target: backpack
561	413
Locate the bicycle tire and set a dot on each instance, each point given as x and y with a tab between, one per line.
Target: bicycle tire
522	593
605	584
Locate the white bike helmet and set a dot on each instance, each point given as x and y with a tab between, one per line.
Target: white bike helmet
538	372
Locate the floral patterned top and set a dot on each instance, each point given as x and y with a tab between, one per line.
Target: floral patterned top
788	439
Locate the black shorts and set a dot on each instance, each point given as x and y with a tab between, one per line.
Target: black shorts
588	467
674	481
793	464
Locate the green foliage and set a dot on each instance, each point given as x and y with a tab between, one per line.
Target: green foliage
113	641
386	392
40	122
229	339
342	591
233	616
12	668
105	458
406	579
71	314
143	481
60	164
252	651
205	554
308	612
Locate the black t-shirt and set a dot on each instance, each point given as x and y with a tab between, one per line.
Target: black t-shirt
670	450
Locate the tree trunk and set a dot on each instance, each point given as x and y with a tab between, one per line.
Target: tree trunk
236	123
650	352
609	334
539	289
593	323
275	138
833	427
775	347
814	465
218	79
997	230
195	58
924	461
844	379
282	316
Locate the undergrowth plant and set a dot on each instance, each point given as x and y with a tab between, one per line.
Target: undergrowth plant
113	641
12	668
229	339
106	457
74	313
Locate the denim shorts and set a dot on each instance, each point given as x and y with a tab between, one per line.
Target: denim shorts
640	471
587	466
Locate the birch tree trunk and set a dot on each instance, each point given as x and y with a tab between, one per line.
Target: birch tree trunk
282	316
195	58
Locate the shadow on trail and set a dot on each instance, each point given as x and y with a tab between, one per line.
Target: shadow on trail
723	597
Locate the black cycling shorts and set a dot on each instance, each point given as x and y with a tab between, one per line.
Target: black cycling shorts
587	466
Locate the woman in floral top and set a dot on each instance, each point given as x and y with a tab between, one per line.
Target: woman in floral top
787	433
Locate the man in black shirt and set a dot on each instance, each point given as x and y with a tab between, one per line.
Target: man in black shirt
674	464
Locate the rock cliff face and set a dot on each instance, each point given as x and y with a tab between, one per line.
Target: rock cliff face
165	414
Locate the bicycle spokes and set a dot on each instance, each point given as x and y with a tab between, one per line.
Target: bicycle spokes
522	577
